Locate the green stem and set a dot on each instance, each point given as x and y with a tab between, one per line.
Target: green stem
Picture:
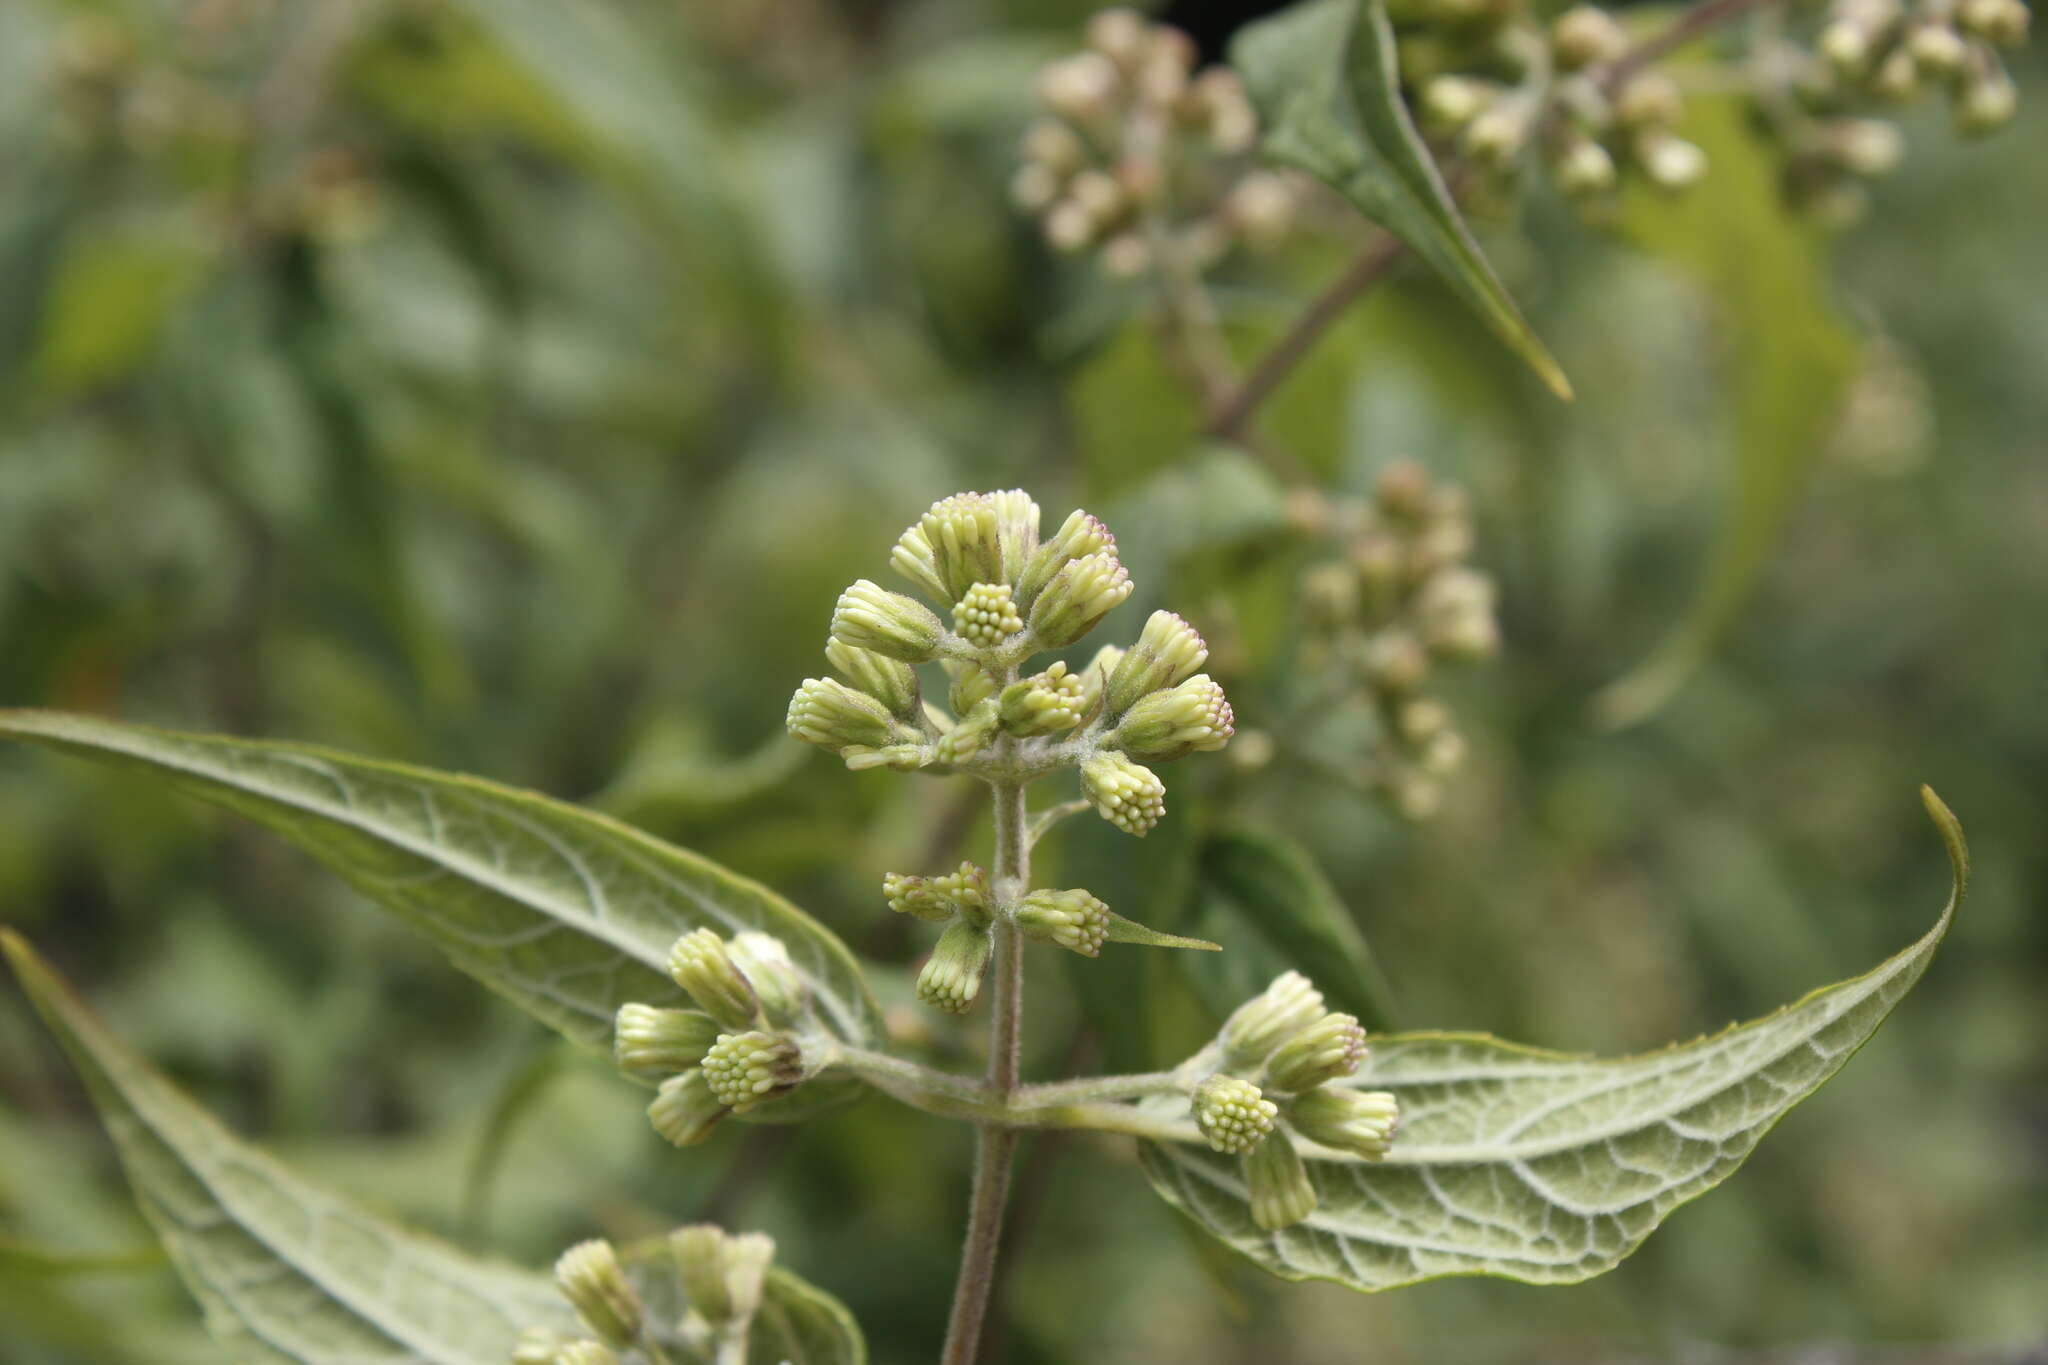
994	1143
1092	1102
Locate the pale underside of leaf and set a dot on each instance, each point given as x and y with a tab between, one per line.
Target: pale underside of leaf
568	913
285	1271
1544	1167
1327	85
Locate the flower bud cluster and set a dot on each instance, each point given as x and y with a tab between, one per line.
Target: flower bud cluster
1285	1061
1401	602
737	1049
1138	153
716	1279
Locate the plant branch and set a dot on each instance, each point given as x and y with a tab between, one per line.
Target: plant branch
1043	822
1230	418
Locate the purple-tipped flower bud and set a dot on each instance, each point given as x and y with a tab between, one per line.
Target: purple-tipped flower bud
1177	722
701	965
1079	535
1361	1122
744	1069
1330	1048
1269	1019
1079	595
1169	651
1044	703
938	899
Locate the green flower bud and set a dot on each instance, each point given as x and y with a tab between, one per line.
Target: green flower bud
1278	1184
1081	88
1672	163
1584	35
1074	920
828	713
869	616
962	538
590	1277
1937	49
1079	535
1582	166
1444	754
1175	723
1034	187
913	558
1988	99
972	685
721	1275
1044	703
684	1110
647	1041
1233	1116
539	1346
1127	794
1897	77
952	977
1267	1020
1054	146
700	965
938	899
1650	100
2003	23
889	681
586	1353
1497	136
1332	1047
1451	102
1394	661
1422	720
987	616
743	1069
972	734
1361	1122
764	960
1169	651
1079	596
906	757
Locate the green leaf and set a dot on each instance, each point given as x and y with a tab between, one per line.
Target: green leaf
1123	930
568	914
1275	886
1788	358
1327	85
800	1324
1544	1167
286	1272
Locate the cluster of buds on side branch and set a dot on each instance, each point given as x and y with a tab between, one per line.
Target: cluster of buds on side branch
1401	602
692	1296
1284	1066
1138	153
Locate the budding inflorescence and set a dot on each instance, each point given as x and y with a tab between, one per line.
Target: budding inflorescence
1284	1043
1399	602
1138	154
718	1280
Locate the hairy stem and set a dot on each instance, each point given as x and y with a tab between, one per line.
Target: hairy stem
994	1143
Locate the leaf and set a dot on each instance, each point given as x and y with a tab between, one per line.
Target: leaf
1788	358
1123	930
285	1271
1544	1167
1327	85
568	914
1274	884
800	1324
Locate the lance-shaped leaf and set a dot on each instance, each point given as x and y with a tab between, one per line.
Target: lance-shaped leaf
1539	1166
292	1273
1324	77
286	1271
568	913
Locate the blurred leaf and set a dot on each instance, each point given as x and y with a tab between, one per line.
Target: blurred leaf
1788	359
1325	80
285	1271
1540	1166
111	297
567	913
798	1323
1275	887
25	1258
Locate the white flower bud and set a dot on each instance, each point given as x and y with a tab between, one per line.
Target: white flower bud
1099	196
1362	1122
1866	147
1128	795
1053	145
1988	100
1078	597
590	1277
1278	1184
972	685
1079	535
1897	77
1068	226
1937	49
1330	1048
1081	87
700	965
764	960
1261	208
1444	754
1496	136
1451	102
539	1346
1044	703
1649	100
2003	23
647	1041
1394	661
743	1069
869	616
1583	166
1120	34
971	734
1232	122
889	681
952	976
1034	187
1671	162
1846	46
1585	34
1126	256
722	1276
938	899
1269	1019
1233	1116
684	1110
1175	723
986	616
1074	920
831	715
1169	651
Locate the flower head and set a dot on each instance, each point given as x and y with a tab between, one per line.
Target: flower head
590	1277
1330	1048
647	1041
1278	1183
701	965
1127	794
743	1069
1233	1116
685	1110
986	616
952	976
1045	703
869	616
1079	595
1361	1122
1168	653
938	899
1074	920
1269	1019
1175	723
889	681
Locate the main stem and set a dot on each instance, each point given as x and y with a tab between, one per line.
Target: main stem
994	1144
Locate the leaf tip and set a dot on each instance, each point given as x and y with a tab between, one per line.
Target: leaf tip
1951	835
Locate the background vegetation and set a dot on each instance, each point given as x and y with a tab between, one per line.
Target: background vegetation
510	387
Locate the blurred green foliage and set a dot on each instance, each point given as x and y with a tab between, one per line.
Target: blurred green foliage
511	386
